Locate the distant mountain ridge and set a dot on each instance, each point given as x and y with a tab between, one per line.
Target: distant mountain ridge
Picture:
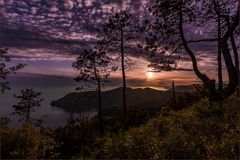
139	97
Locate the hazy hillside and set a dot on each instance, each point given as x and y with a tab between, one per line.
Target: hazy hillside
147	97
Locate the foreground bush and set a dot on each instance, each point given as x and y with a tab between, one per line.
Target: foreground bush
25	142
201	131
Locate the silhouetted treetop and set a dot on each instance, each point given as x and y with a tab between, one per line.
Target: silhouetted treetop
118	28
93	65
29	100
5	70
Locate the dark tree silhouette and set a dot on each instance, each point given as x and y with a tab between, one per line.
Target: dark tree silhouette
174	95
220	11
117	33
219	36
93	66
29	100
5	71
171	19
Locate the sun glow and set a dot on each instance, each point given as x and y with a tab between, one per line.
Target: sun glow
150	75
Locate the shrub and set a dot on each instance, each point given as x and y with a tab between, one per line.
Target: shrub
200	131
25	142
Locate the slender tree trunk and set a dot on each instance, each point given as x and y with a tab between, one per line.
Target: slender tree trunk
220	80
123	79
232	75
238	99
235	51
100	109
227	55
174	95
96	74
238	91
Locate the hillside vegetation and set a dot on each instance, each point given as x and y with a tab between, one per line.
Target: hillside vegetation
139	97
198	131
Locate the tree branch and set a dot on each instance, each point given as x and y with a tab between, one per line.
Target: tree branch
235	51
201	76
202	40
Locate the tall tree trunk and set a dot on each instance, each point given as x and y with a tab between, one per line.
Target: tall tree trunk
220	80
174	95
100	117
235	50
232	75
208	83
100	109
238	99
123	79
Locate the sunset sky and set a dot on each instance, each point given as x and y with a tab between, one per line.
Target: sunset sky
48	36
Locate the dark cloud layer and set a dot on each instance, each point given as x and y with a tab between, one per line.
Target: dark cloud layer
60	29
47	23
65	25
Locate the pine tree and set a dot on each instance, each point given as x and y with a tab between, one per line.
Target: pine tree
29	100
117	33
93	67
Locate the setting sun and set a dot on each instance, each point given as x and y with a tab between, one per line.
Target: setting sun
150	75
